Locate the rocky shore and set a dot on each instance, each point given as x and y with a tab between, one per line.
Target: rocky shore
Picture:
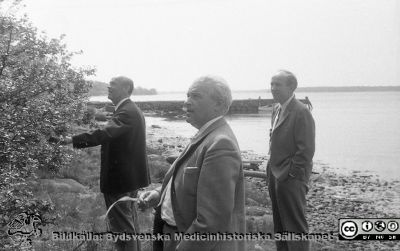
331	196
75	194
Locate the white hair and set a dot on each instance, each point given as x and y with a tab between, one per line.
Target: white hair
218	90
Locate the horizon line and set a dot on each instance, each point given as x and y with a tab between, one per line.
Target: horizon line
311	87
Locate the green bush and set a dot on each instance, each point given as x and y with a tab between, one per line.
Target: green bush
41	95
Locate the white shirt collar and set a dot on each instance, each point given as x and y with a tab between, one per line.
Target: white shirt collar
120	102
206	125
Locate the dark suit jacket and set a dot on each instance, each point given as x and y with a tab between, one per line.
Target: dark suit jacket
123	150
208	190
292	142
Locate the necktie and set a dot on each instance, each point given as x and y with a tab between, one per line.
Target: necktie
276	119
278	113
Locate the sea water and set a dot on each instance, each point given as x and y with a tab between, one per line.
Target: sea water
355	131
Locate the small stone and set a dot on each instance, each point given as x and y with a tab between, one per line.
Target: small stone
255	211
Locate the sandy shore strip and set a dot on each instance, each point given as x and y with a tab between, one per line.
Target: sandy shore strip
332	196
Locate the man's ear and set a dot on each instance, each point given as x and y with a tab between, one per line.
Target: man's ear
220	105
126	90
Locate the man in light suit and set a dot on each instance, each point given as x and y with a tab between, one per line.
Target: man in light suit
123	158
292	146
203	191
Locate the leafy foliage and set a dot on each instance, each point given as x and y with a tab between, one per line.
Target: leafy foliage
41	94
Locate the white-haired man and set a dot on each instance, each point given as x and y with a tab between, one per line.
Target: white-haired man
203	191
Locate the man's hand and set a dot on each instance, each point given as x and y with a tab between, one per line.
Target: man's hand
66	140
148	199
61	140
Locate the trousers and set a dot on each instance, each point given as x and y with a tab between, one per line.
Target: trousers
123	219
288	200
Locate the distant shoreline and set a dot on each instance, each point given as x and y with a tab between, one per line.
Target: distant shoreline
100	89
349	89
323	89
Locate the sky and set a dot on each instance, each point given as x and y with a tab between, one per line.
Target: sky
167	44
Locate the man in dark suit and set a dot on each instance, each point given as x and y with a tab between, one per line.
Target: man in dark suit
123	158
292	146
203	191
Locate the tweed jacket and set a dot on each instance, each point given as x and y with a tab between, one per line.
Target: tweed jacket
208	191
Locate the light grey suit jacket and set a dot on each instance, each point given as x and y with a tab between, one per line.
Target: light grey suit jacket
208	189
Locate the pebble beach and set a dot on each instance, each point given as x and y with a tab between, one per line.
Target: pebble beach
332	195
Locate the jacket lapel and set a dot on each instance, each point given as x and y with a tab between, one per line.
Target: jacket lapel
282	119
286	113
172	168
190	148
220	122
171	172
195	142
187	152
